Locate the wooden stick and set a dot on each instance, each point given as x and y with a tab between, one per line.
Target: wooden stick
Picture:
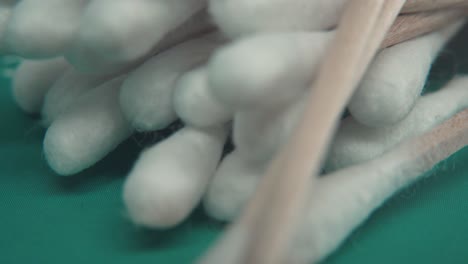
413	25
383	25
282	193
239	233
413	6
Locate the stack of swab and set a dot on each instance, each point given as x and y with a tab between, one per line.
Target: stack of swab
238	174
282	193
363	188
117	78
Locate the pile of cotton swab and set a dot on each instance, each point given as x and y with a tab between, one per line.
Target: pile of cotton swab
96	71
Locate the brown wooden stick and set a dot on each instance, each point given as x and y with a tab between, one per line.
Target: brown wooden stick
413	25
283	192
240	232
412	6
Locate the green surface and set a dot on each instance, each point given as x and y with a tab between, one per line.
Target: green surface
50	219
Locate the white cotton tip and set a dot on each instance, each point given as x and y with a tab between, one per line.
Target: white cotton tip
120	32
264	71
232	186
355	143
33	79
146	96
169	179
195	104
242	17
86	132
66	90
45	28
88	62
258	135
394	81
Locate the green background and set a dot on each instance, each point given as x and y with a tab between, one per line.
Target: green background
45	218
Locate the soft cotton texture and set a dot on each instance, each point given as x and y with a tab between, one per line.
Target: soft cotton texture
169	179
45	28
395	79
195	104
33	79
88	131
146	95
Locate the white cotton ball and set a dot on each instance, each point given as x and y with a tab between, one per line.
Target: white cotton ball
195	104
356	143
146	96
169	179
45	28
66	90
266	70
33	79
88	131
232	186
242	17
395	79
120	32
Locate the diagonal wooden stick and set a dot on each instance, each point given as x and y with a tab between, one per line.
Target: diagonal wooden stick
282	193
412	25
239	233
413	6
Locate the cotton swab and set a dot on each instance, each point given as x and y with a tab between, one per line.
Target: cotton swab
356	143
232	186
33	79
195	104
86	132
266	70
43	29
66	90
146	24
169	179
146	96
85	61
395	79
